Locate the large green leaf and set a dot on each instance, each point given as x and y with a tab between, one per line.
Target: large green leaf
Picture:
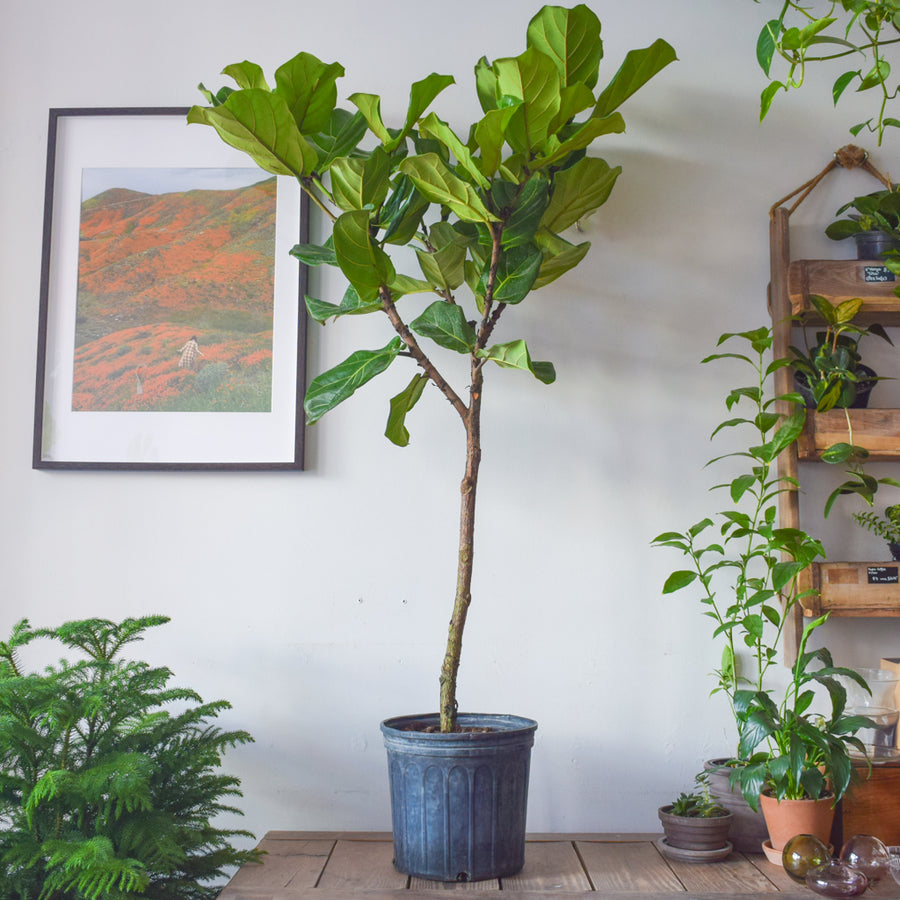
351	305
341	135
571	38
334	386
432	126
445	324
515	355
420	96
260	124
370	106
578	191
358	182
559	256
522	208
490	135
365	264
315	254
581	139
308	87
247	75
517	271
443	266
401	404
486	85
439	185
401	215
532	78
638	67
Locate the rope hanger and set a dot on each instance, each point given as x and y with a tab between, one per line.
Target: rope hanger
848	157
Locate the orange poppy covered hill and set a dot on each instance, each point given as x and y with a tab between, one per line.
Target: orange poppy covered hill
155	271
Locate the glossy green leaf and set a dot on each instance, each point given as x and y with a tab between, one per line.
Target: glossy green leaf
842	83
581	139
351	305
444	266
515	355
766	43
678	580
517	271
486	85
308	87
559	256
401	215
359	182
401	404
365	265
578	191
315	254
638	67
420	96
334	386
406	284
533	79
446	325
572	100
432	126
490	136
370	107
767	96
522	208
247	75
260	124
339	138
438	184
571	38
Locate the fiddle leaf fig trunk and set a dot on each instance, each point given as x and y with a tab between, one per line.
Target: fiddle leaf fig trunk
484	209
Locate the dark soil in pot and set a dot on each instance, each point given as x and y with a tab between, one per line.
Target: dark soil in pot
863	387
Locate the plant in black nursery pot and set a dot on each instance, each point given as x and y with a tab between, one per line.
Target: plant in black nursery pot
886	527
483	208
104	794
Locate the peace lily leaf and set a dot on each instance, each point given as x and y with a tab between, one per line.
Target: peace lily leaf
571	38
366	265
315	254
356	183
334	386
260	124
517	271
558	257
308	87
578	191
525	204
370	106
515	355
433	126
637	69
400	405
341	136
437	183
246	75
446	325
582	138
490	135
533	79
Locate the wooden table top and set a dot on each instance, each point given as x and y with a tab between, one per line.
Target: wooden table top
358	866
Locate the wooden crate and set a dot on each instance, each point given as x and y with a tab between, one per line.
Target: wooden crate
878	430
855	589
872	806
844	279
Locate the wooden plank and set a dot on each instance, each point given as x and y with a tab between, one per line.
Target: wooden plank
426	888
627	868
872	806
846	589
843	279
294	864
362	866
735	875
877	430
773	873
550	868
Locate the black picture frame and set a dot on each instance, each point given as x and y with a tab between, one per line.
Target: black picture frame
104	425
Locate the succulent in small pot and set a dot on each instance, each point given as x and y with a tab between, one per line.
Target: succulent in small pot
875	224
696	820
886	527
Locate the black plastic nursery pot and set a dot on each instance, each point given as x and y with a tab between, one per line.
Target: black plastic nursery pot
458	801
871	244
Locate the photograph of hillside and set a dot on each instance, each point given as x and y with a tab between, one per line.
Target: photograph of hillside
175	291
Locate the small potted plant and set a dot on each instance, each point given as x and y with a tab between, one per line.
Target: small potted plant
696	822
797	762
875	224
886	527
830	373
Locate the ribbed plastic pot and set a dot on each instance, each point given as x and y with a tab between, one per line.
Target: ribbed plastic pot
871	244
458	801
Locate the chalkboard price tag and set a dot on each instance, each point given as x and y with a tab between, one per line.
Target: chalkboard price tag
883	575
877	274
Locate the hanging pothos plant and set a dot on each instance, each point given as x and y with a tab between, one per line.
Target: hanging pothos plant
485	208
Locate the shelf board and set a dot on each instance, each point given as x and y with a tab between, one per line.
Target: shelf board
855	589
844	279
878	430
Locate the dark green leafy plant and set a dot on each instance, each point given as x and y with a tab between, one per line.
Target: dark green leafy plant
863	33
886	527
805	754
878	211
484	208
746	567
105	793
698	804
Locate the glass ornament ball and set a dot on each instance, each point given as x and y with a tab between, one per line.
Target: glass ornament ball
836	879
802	853
868	855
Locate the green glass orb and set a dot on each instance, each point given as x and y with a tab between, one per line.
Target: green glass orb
802	853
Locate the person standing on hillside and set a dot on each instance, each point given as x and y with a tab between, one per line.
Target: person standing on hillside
190	355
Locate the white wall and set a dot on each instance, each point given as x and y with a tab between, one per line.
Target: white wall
316	602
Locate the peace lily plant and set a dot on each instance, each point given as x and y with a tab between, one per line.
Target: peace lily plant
484	208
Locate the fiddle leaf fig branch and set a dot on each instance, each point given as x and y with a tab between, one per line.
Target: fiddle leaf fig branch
484	209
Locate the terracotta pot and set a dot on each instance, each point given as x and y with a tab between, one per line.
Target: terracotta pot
787	818
694	832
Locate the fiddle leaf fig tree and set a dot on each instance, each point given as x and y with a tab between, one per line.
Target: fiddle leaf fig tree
483	207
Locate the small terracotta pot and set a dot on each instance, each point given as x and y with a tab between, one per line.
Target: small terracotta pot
787	818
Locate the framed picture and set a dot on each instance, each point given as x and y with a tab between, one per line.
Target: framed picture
172	331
